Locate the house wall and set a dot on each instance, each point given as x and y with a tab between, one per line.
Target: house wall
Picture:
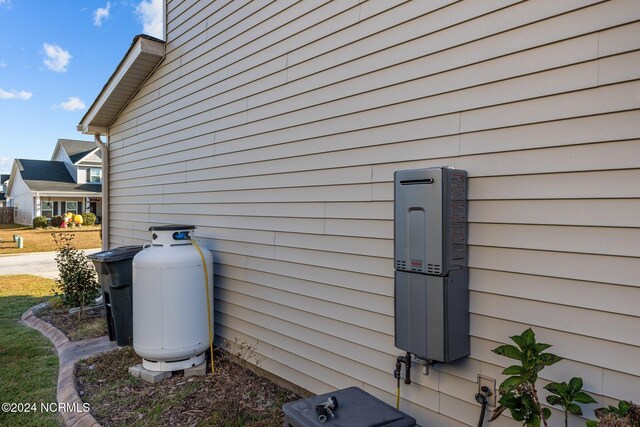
81	177
22	198
276	128
60	155
60	200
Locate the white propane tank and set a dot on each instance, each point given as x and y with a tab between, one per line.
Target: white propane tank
169	300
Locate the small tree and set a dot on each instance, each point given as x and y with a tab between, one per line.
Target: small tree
78	280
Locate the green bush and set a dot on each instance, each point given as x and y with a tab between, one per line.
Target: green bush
40	222
78	279
56	221
88	218
518	392
626	414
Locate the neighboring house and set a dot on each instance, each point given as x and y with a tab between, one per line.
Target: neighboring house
82	159
4	180
276	129
69	182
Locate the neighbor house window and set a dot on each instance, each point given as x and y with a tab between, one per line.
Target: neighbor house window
47	209
72	207
94	175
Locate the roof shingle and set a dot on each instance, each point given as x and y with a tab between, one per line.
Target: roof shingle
76	149
51	176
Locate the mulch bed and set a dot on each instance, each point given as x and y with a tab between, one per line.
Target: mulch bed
232	396
92	323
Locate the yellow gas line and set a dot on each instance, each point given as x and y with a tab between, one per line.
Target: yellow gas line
206	288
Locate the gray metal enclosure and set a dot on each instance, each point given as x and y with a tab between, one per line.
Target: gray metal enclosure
431	279
430	220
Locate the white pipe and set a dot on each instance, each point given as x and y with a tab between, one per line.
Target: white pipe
104	148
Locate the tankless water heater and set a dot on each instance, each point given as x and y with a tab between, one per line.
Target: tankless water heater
431	279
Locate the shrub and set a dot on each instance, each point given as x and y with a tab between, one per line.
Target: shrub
88	218
40	222
518	392
78	280
626	414
56	221
568	396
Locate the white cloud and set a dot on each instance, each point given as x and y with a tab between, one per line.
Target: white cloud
100	14
72	104
150	15
5	165
14	94
57	58
6	3
3	64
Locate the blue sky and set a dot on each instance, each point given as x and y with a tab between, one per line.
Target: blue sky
55	56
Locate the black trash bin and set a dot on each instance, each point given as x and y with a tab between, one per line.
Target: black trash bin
114	268
355	408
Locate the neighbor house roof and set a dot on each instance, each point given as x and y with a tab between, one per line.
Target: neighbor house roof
51	176
141	59
79	150
4	177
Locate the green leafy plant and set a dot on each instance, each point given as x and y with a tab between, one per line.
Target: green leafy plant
88	218
78	279
518	392
626	414
40	222
567	396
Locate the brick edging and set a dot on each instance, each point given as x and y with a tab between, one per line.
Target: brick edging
66	392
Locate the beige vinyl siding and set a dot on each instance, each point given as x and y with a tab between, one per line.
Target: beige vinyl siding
275	127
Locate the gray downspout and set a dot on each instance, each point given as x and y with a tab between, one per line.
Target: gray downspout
104	148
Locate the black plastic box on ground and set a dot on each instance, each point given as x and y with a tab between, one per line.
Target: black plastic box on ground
356	408
114	268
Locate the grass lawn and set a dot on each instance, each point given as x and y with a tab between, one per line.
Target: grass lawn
28	361
40	240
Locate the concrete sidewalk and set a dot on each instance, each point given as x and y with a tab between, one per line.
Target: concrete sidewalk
36	263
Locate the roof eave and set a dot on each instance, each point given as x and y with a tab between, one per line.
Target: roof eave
12	176
87	155
142	58
68	193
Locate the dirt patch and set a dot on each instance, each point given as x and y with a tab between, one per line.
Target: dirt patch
232	396
92	323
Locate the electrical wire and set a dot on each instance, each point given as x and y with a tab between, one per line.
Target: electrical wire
206	287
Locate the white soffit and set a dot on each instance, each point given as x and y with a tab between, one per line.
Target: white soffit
143	57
